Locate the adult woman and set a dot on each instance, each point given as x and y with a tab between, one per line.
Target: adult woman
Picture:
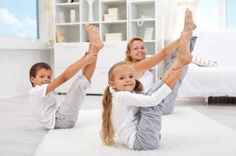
136	54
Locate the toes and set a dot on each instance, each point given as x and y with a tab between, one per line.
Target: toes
88	27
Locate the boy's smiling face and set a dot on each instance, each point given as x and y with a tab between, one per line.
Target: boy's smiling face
43	76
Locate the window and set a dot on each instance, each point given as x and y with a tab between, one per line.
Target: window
207	14
231	12
216	14
19	19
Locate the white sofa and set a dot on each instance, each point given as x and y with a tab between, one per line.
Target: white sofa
212	81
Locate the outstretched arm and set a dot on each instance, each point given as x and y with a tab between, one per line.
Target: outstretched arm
71	71
150	62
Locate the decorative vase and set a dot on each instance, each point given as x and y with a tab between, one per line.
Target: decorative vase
90	13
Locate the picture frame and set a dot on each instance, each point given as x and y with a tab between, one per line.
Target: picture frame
60	37
148	33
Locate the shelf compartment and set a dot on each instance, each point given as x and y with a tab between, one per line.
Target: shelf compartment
107	6
146	30
85	12
70	32
143	9
63	13
115	27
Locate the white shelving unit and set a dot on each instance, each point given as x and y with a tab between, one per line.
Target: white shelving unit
118	22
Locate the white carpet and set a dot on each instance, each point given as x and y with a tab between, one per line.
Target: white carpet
185	133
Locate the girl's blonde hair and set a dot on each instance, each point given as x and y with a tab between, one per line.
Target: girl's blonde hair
107	132
127	53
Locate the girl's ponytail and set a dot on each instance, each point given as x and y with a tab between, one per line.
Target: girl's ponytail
107	132
138	86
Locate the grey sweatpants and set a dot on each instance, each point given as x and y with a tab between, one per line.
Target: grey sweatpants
148	130
170	102
148	134
67	114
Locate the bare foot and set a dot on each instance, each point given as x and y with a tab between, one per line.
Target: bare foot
189	24
96	43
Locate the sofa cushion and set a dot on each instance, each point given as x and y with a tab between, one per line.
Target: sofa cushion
207	81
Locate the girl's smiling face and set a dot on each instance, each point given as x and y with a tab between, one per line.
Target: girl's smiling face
123	78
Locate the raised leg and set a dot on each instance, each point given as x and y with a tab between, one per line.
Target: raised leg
95	45
67	115
148	134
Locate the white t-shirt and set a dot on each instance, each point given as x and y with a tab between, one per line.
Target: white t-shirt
43	106
147	80
125	106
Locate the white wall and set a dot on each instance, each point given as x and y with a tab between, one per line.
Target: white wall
14	69
18	55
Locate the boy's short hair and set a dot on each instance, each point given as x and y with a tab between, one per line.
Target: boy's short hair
36	67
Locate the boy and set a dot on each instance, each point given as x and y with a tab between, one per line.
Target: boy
44	105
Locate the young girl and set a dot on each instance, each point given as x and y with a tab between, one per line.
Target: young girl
133	117
44	105
136	53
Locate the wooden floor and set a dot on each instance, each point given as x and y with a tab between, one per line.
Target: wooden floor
20	134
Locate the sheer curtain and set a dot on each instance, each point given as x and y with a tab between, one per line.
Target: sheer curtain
170	19
174	20
182	5
47	21
174	17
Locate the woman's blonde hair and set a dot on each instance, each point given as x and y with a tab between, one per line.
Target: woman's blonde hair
127	53
107	132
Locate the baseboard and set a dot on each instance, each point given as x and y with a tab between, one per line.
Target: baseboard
221	99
